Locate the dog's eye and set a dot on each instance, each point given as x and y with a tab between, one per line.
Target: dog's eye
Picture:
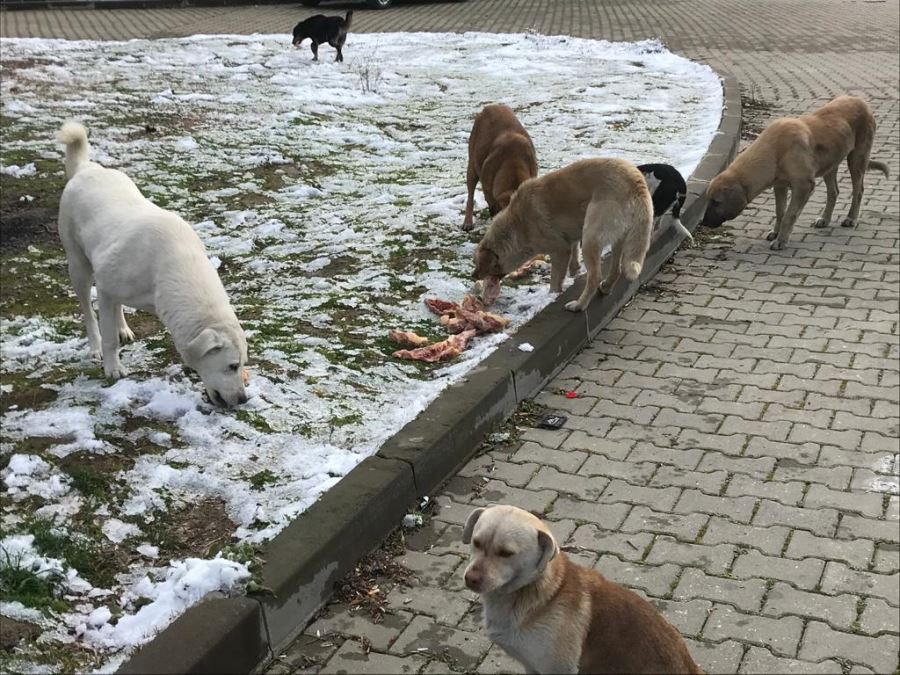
504	553
234	366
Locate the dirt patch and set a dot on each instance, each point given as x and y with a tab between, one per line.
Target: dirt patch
13	632
756	113
199	529
367	585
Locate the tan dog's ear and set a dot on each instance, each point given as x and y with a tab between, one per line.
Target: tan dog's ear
548	547
470	525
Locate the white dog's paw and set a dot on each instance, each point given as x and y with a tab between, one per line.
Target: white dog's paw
820	223
771	235
848	222
115	371
126	335
777	245
96	355
573	306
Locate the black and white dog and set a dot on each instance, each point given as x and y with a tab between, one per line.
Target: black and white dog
669	190
321	29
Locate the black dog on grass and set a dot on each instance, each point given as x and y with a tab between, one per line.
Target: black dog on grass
668	189
321	29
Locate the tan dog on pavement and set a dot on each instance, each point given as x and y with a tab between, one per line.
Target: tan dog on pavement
789	155
554	616
501	156
603	204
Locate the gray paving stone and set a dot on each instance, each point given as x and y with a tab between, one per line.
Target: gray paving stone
834	476
351	658
606	516
707	481
498	662
497	492
769	540
839	611
685	527
340	619
887	558
549	438
822	642
583	487
683	459
713	559
801	573
761	660
878	617
865	480
660	498
759	467
578	440
627	546
880	530
866	504
631	471
856	552
739	509
564	460
688	616
746	595
444	605
780	635
832	456
459	649
839	578
820	521
721	657
790	493
656	580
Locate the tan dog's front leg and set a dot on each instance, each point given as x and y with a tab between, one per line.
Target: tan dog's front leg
559	263
780	202
575	261
800	193
591	255
831	199
471	182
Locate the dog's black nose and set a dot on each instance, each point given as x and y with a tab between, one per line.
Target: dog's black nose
473	580
243	398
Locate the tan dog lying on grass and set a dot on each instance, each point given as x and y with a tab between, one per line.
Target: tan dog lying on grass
599	203
789	155
554	616
501	156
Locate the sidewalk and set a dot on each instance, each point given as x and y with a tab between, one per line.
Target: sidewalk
733	451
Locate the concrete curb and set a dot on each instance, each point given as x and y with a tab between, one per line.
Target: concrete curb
320	546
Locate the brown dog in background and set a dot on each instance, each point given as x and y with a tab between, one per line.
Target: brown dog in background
554	616
790	154
501	156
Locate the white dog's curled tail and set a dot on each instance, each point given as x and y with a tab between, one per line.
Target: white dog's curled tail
78	150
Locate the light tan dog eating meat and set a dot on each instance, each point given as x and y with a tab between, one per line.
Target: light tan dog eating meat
554	616
790	154
501	156
603	204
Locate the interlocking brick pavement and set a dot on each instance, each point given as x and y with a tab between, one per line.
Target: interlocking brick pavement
733	455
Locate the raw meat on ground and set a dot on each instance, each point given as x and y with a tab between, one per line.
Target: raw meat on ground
446	349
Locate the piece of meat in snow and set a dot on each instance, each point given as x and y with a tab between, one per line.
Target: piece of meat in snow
446	349
440	307
407	339
470	314
527	267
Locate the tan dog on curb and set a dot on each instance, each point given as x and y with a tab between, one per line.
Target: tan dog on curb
789	155
554	616
603	204
501	156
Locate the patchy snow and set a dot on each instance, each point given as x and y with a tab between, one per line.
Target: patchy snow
17	171
330	198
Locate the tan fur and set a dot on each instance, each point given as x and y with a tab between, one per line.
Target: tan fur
598	203
501	156
554	616
789	155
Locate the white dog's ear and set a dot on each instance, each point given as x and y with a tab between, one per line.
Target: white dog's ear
548	547
207	341
470	525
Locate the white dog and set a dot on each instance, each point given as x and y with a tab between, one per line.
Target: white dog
145	257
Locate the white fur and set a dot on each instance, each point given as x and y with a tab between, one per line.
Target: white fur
145	257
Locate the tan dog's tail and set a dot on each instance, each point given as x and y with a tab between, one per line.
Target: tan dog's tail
78	150
879	166
637	236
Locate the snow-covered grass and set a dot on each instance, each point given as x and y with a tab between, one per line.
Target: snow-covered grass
330	197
